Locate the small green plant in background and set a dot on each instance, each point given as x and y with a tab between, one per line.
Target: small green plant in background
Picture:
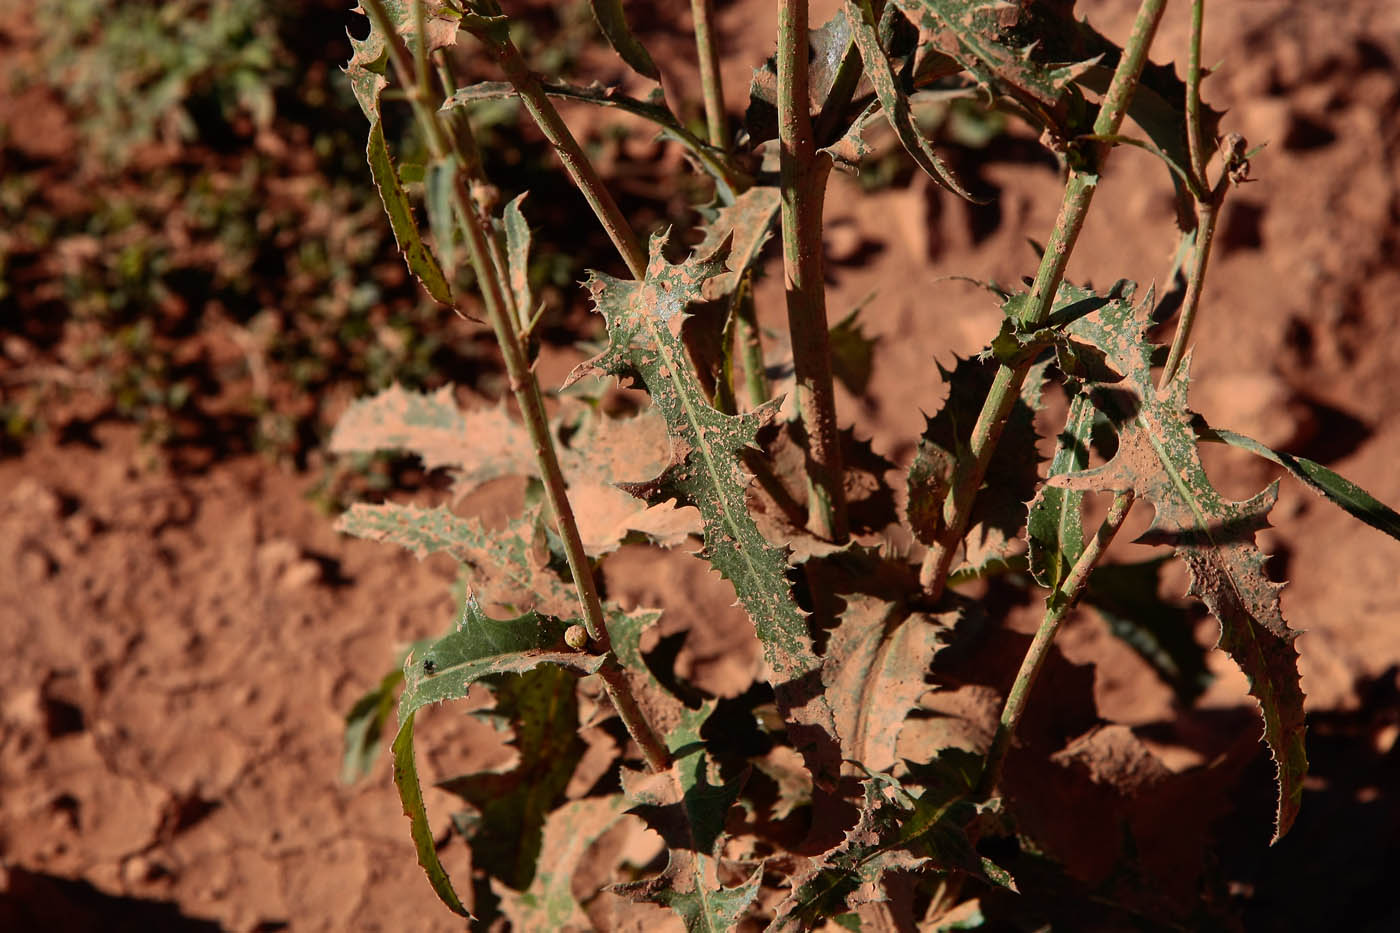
805	800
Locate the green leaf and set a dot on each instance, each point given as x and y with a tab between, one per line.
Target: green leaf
826	46
876	665
549	902
511	805
369	56
411	796
364	725
644	324
613	23
1160	632
446	670
1013	471
420	262
1338	490
1054	525
1003	46
689	811
893	101
896	831
1157	459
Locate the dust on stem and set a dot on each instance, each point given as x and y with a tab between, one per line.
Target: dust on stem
1058	605
1079	195
524	386
584	175
803	178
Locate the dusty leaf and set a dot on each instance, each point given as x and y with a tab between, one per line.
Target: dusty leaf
747	224
688	807
549	902
478	445
1157	459
1003	46
369	56
445	670
510	566
518	255
827	46
509	807
893	100
644	323
877	660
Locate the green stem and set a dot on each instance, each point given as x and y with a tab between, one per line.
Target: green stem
1194	140
476	231
1058	606
1207	207
803	179
571	154
1207	214
711	82
1006	386
750	342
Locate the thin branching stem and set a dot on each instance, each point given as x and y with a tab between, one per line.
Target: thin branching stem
570	153
803	179
1057	606
711	82
1207	206
1006	385
476	231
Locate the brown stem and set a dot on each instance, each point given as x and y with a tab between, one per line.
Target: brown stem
803	178
476	230
571	154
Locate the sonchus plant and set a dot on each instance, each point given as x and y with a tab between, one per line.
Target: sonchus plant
820	793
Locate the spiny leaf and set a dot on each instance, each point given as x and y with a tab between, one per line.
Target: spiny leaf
1012	473
369	56
747	224
510	565
420	262
896	831
688	810
653	108
437	196
1055	526
511	805
613	23
644	324
1338	490
1003	46
1160	632
549	903
479	445
877	661
852	353
446	670
893	101
1157	459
